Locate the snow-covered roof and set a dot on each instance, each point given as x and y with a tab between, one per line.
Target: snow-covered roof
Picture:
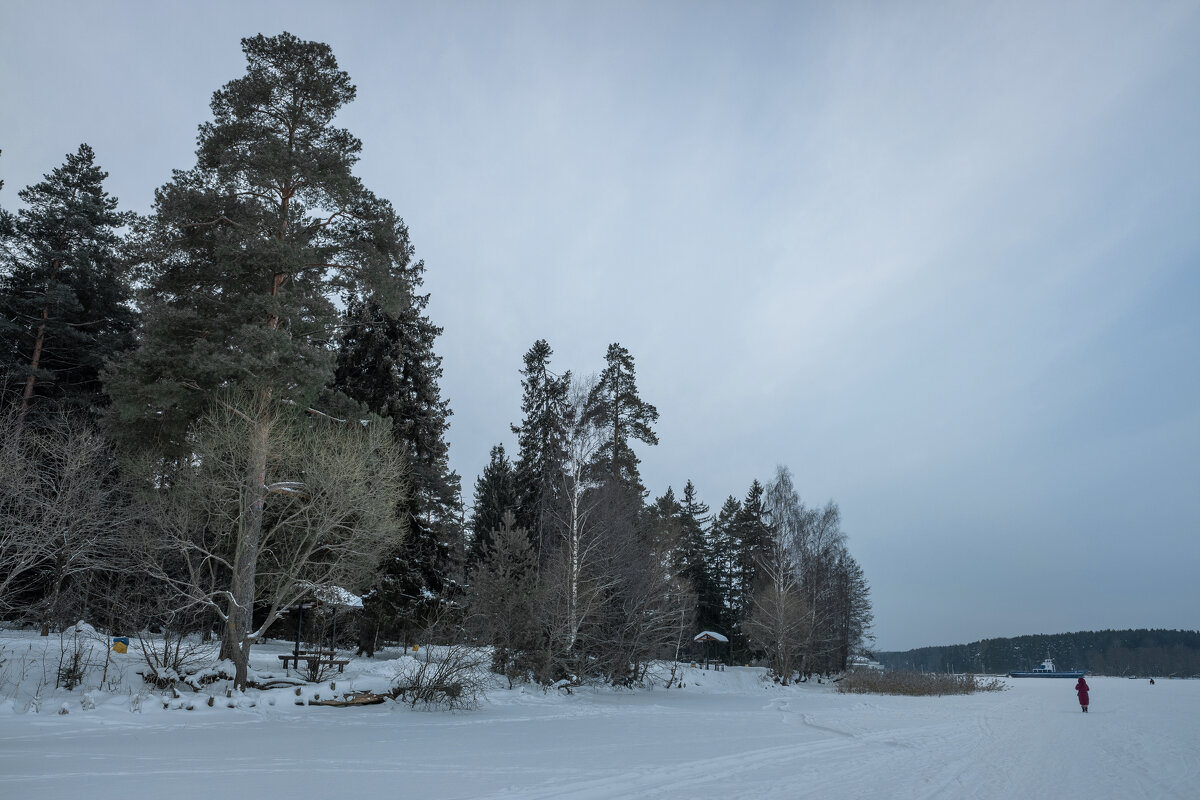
709	636
335	595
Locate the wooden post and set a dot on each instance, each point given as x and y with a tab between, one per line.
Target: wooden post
299	622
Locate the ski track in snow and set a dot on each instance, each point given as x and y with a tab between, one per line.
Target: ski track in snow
727	734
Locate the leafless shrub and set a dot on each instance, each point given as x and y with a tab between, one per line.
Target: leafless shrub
443	677
60	511
173	656
318	670
916	684
74	657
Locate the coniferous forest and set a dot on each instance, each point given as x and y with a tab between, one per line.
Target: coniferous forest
1125	653
230	406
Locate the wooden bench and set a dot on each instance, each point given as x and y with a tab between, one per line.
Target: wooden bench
314	660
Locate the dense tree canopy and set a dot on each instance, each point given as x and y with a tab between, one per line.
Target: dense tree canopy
278	405
247	252
243	262
64	297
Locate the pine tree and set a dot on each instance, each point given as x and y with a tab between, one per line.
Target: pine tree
64	298
243	260
542	443
615	407
246	253
495	496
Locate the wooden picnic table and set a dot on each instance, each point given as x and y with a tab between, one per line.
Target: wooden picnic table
314	658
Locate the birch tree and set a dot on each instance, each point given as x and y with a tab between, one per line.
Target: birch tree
574	584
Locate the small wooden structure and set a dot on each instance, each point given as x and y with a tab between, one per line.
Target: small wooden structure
333	597
709	639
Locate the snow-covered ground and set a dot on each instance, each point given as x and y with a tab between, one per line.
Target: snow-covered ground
727	734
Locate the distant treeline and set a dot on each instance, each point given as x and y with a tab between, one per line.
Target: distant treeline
1134	653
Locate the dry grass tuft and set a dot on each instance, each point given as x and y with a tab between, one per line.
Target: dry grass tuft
916	684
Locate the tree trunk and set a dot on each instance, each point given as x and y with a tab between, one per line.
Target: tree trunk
36	359
240	618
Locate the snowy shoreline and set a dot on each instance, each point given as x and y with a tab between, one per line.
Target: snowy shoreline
731	733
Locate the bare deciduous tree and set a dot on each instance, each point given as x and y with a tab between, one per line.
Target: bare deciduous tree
573	585
778	617
329	494
61	508
642	604
806	570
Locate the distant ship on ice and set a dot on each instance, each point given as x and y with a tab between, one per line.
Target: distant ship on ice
1047	670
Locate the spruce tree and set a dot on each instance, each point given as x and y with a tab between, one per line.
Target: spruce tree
694	559
64	297
495	497
7	223
616	408
664	514
853	616
751	542
542	443
503	599
723	563
243	260
387	362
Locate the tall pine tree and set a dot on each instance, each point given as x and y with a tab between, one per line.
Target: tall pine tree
615	407
64	297
243	259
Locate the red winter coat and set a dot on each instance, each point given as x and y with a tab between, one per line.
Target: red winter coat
1082	689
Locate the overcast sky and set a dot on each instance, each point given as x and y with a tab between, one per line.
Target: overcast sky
941	259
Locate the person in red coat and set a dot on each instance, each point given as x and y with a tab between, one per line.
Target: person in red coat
1081	688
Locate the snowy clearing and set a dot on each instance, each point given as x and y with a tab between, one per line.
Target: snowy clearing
727	734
